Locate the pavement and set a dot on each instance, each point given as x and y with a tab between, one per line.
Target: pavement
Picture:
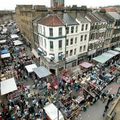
95	112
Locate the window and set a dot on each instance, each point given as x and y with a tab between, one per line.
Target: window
51	31
51	44
42	41
84	48
86	27
71	52
74	51
71	41
67	42
75	40
40	29
81	39
45	42
66	53
80	49
60	44
76	29
67	30
72	29
60	31
44	30
82	27
85	37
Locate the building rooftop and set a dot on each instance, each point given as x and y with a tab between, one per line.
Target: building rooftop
106	16
69	20
110	9
81	18
97	14
51	20
115	15
90	16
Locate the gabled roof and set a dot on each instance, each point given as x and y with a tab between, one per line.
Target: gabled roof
99	16
69	20
82	18
51	20
115	15
92	18
106	16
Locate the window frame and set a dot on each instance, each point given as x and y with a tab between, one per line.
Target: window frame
71	43
60	44
52	45
60	31
51	32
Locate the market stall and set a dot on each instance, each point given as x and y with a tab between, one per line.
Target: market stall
52	112
117	49
30	67
7	55
14	36
103	58
113	52
3	41
85	66
8	86
17	42
41	72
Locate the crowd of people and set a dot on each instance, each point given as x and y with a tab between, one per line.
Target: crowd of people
73	92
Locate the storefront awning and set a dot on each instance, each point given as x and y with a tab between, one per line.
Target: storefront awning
103	58
35	53
30	67
86	65
41	72
109	55
8	86
113	52
117	49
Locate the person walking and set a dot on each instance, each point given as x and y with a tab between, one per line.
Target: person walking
106	108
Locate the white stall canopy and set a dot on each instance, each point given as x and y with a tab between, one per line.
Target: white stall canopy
7	55
8	86
52	112
30	67
17	42
13	36
41	72
2	41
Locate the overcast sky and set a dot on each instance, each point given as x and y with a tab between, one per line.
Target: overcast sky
10	4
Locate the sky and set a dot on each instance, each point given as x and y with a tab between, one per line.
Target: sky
10	4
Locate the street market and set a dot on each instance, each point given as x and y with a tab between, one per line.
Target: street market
26	88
